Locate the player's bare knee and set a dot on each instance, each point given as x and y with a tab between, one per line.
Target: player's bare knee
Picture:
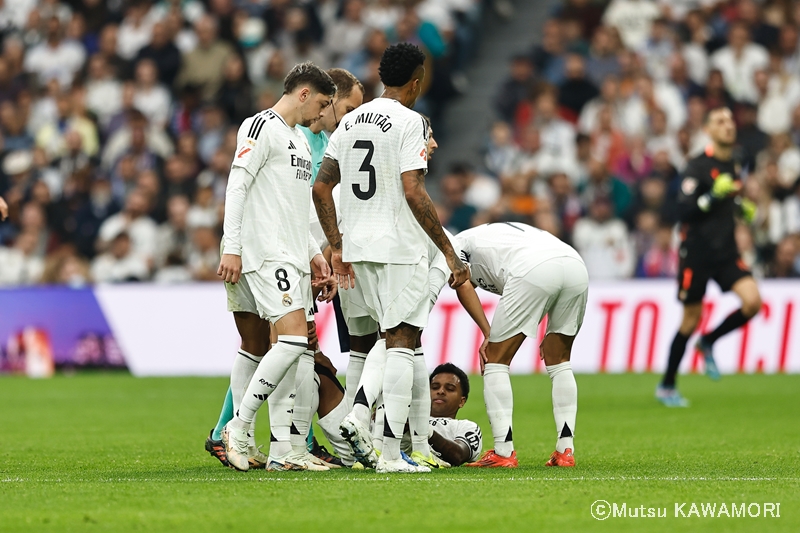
691	318
751	306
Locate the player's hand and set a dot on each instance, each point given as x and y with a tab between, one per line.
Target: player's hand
724	186
3	209
482	353
343	272
312	336
460	272
230	268
749	210
320	271
329	290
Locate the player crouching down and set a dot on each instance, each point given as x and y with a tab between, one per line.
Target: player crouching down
536	274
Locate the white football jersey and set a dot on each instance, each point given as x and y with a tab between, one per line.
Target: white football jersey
278	159
465	431
498	251
316	228
374	145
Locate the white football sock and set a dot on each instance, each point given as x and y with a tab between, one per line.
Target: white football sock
371	382
499	406
398	381
420	413
268	375
354	367
303	398
281	405
330	427
377	425
315	396
251	433
244	366
565	403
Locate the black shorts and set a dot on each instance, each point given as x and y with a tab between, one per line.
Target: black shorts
693	277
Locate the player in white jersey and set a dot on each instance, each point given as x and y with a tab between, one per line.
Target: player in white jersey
371	381
379	155
537	275
270	246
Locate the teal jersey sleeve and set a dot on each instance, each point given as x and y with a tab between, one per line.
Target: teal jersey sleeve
318	143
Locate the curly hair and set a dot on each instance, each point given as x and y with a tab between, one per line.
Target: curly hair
398	64
309	75
450	368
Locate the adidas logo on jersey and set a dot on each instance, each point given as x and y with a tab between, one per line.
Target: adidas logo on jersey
292	146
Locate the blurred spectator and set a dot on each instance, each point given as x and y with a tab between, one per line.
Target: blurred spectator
459	213
134	223
739	61
204	66
55	58
784	265
515	88
633	19
136	29
603	185
501	153
603	242
163	52
348	34
120	263
547	57
660	260
204	257
21	264
575	91
602	60
236	93
150	97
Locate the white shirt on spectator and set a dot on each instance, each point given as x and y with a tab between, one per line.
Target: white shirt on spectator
667	97
108	269
104	98
783	93
696	59
738	71
132	38
483	192
59	63
154	103
605	247
143	232
633	19
16	268
557	138
345	37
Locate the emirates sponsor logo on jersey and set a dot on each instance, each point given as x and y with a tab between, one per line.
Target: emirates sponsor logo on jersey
303	166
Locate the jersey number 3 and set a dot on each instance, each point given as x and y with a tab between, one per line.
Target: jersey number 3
366	166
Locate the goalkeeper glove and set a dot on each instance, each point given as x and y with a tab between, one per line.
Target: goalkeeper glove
724	186
749	210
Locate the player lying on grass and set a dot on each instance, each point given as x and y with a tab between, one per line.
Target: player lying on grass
349	95
536	275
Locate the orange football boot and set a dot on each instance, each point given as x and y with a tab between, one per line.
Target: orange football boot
491	460
564	458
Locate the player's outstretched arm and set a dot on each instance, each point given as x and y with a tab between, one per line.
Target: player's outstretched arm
322	193
425	213
454	452
472	304
230	265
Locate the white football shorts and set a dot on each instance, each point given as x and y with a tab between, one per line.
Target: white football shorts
278	289
395	294
557	287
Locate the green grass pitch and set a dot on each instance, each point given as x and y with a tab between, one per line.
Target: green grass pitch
108	452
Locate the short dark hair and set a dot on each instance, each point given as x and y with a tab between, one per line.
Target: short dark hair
427	120
450	368
344	81
398	64
310	75
714	109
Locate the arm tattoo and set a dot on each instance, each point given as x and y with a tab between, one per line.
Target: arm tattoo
327	177
425	213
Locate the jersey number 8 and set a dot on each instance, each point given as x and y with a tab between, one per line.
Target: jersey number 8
283	281
366	166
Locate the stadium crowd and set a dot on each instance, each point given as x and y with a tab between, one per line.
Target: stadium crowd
118	118
118	122
596	121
